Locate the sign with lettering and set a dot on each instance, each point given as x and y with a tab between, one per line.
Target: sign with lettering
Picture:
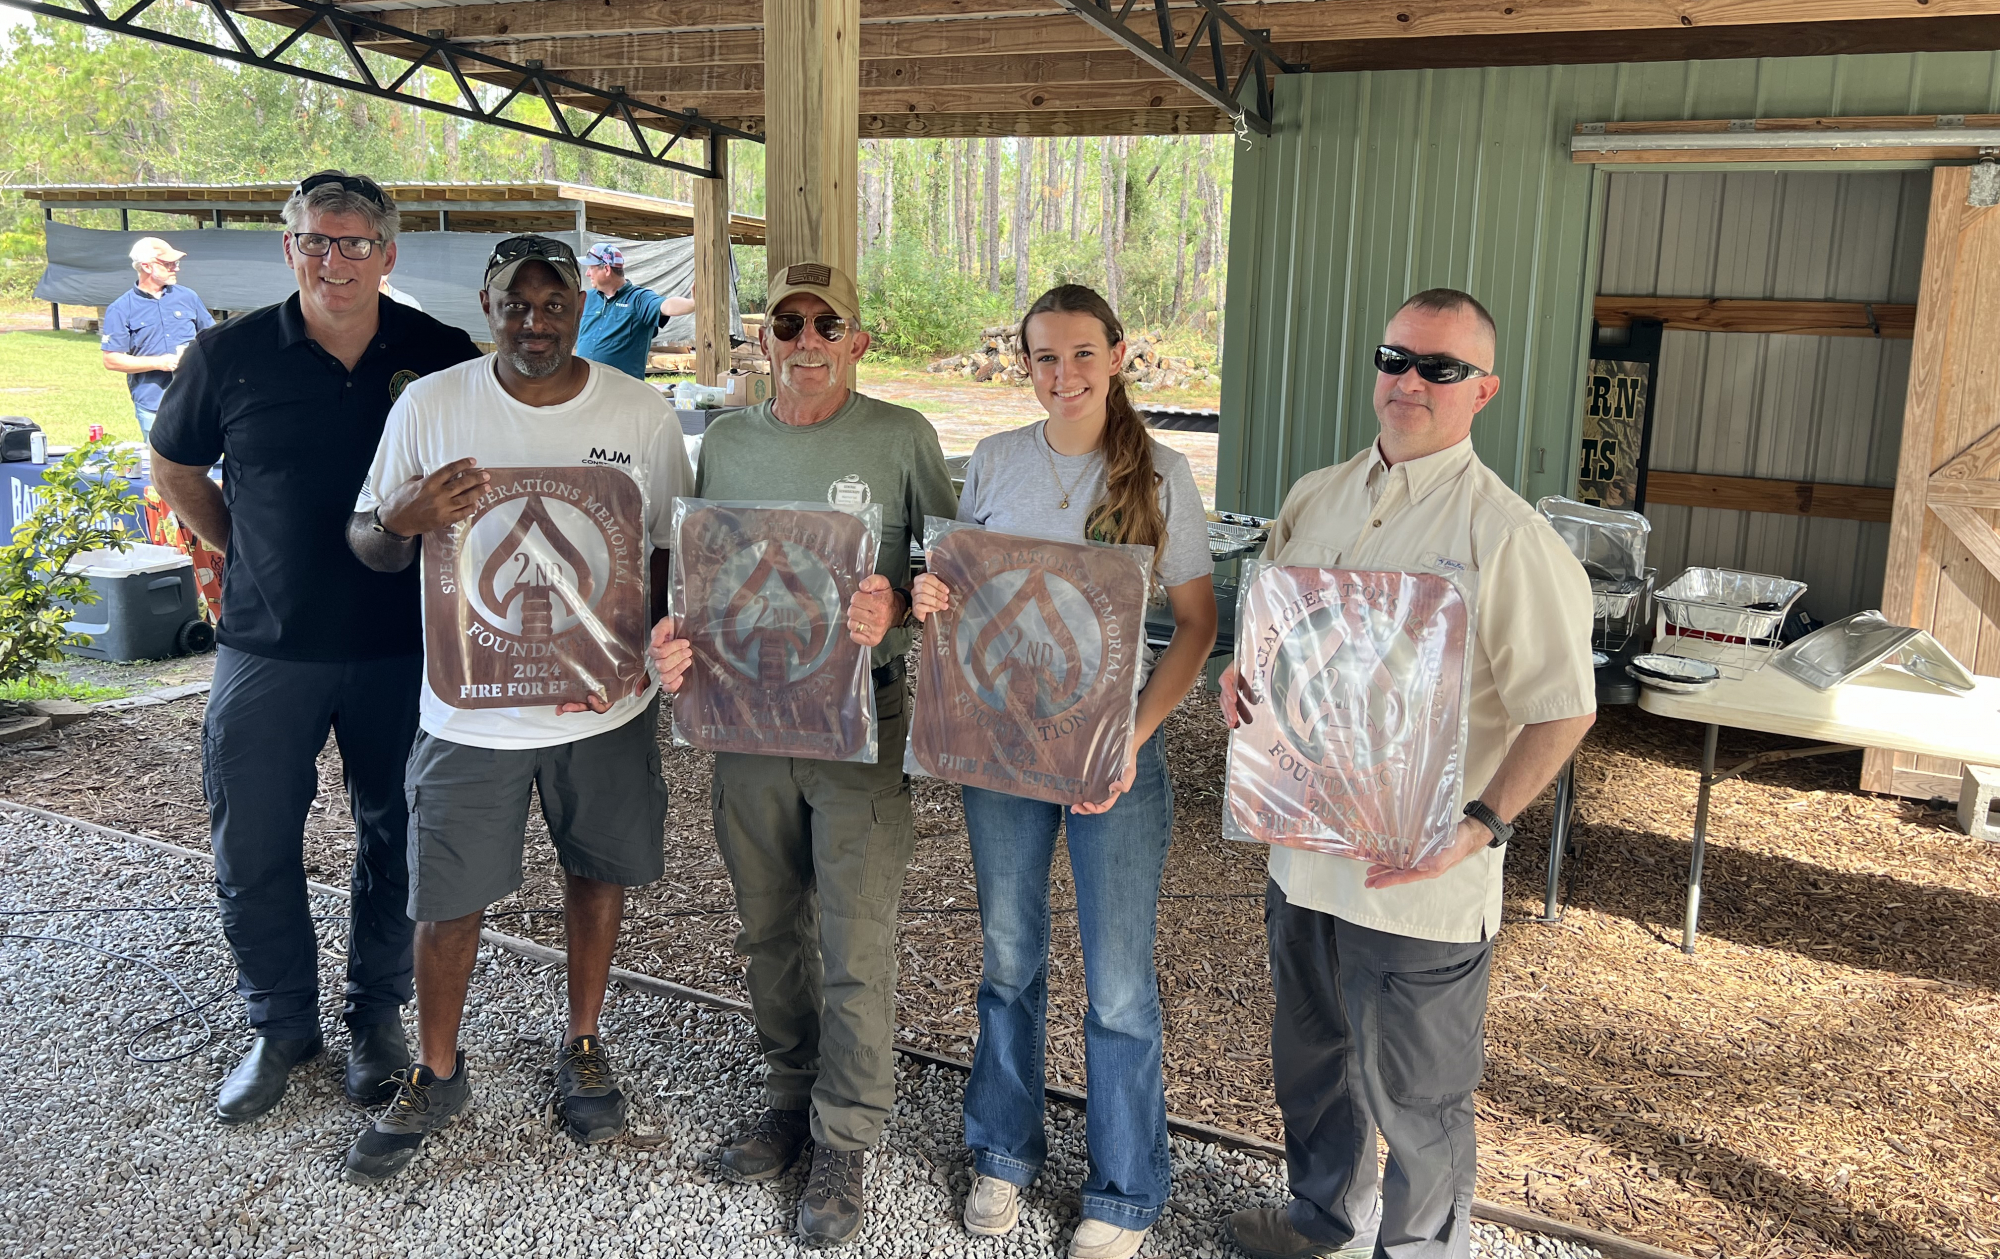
1355	742
1617	416
762	595
1029	681
539	596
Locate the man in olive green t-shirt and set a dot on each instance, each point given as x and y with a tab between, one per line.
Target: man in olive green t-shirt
817	850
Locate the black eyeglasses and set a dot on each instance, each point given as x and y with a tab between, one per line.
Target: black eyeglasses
518	247
789	325
316	245
359	185
1439	369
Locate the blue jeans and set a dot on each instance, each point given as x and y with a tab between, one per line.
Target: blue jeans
1117	858
145	419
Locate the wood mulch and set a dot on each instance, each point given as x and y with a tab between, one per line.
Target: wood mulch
1822	1078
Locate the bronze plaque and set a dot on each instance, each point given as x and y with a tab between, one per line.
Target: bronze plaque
1356	742
764	599
1026	684
539	596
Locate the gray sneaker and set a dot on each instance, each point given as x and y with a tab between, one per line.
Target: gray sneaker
421	1106
587	1094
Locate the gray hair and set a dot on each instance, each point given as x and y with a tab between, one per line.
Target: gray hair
334	199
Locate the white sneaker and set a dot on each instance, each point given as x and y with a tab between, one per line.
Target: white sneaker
993	1207
1095	1239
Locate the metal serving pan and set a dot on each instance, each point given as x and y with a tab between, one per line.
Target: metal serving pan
1855	644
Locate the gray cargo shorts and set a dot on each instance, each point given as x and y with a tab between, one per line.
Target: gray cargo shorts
603	798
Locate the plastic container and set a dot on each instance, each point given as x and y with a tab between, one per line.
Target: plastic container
146	608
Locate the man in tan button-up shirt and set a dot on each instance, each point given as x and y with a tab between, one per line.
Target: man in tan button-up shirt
1380	973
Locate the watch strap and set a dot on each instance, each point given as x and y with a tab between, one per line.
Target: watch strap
1480	812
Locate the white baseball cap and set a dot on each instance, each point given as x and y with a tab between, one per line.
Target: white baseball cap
153	249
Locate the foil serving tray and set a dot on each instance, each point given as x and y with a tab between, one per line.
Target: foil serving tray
1854	645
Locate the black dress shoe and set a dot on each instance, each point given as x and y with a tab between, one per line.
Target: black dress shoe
259	1079
378	1053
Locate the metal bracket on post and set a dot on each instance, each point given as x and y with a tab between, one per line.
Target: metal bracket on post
1210	80
573	119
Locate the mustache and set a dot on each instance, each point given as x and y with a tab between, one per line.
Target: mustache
809	358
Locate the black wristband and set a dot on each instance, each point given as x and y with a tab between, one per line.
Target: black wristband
1480	812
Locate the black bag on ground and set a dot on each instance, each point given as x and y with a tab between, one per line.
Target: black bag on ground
15	432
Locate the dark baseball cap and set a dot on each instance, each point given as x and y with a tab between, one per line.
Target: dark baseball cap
509	254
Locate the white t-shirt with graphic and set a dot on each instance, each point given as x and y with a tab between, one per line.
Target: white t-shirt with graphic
462	412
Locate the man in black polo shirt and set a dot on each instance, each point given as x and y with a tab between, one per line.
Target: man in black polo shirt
294	397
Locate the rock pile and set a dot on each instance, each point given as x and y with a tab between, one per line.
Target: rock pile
998	357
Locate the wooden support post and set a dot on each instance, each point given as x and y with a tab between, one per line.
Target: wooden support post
711	270
582	245
812	106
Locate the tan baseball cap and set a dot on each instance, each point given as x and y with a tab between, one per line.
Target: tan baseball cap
832	284
153	249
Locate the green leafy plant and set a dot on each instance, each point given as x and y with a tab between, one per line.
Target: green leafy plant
79	511
54	686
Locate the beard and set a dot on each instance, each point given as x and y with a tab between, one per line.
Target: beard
536	366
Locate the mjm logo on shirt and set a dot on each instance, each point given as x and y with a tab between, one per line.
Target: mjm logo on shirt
600	455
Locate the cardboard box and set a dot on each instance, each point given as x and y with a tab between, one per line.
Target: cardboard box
746	388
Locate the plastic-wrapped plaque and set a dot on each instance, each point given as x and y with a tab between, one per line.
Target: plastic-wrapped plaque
539	596
761	592
1355	740
1029	683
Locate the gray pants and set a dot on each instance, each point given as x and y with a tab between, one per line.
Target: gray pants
1376	1031
817	851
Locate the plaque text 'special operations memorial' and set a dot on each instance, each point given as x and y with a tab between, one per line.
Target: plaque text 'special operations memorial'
1356	740
761	594
539	596
1029	681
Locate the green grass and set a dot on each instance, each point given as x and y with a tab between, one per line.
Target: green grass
49	686
57	379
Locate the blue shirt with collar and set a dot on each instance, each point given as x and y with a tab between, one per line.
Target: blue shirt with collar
618	330
141	324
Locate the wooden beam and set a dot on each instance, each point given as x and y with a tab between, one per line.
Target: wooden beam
1419	19
711	272
1828	126
1983	495
1186	120
813	71
664	17
1694	43
897	73
1726	314
1831	153
988	37
1781	498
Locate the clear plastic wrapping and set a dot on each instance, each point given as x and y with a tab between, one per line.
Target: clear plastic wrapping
1354	743
540	595
761	591
1029	683
1854	645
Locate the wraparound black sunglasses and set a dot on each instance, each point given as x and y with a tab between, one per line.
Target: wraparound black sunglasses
1439	369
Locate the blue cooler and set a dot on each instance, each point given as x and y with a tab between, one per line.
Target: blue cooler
146	606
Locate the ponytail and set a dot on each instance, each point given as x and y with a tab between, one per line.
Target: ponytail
1130	511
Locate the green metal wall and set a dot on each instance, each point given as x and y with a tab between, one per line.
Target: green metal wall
1375	185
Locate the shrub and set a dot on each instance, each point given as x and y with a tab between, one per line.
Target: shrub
79	511
913	307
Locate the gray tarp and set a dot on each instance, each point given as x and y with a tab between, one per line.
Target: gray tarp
241	269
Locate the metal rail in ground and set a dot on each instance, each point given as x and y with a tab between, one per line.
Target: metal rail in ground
1609	1244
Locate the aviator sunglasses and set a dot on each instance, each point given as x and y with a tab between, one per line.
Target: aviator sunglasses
787	326
360	185
1439	369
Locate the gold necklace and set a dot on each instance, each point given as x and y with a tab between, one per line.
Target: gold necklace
1048	452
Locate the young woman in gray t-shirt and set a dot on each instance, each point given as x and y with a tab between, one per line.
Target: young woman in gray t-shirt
1089	471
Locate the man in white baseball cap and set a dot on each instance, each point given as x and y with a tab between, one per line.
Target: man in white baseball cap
144	330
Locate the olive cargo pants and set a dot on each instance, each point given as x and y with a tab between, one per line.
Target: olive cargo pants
816	851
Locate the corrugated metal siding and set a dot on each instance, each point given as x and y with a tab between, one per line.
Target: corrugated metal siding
1791	408
1378	184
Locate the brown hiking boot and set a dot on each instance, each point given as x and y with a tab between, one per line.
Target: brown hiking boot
768	1148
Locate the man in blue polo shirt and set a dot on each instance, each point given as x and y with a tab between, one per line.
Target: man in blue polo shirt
619	317
145	329
295	396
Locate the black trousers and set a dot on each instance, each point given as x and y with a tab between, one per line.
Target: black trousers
1376	1031
267	721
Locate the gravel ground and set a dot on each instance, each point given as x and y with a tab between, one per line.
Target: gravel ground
108	1156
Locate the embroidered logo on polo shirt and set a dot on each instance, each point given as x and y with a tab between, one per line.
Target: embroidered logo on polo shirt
399	382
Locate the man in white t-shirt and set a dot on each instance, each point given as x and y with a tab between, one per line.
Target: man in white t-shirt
531	405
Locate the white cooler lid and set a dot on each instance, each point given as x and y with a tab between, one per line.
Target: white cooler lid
143	557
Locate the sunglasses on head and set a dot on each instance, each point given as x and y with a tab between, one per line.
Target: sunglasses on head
359	185
787	326
1439	369
515	247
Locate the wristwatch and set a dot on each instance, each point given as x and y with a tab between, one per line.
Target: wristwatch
1478	811
375	523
